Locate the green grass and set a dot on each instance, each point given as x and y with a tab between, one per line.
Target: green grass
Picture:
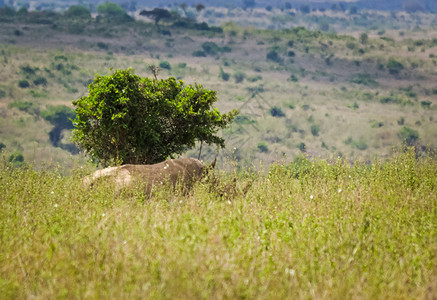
310	229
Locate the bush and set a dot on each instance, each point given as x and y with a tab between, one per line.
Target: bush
211	48
263	147
360	144
364	79
426	104
408	135
394	66
301	147
199	53
225	76
164	65
315	130
26	106
2	93
23	84
239	76
139	120
274	56
276	111
40	80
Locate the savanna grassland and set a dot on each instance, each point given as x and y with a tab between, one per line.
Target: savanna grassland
314	202
325	230
355	94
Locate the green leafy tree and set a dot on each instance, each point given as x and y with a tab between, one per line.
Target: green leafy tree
78	12
113	12
140	120
158	14
408	135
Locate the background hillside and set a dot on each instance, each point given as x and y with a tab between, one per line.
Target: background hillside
322	83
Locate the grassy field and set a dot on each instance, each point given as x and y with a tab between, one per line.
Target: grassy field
325	230
297	90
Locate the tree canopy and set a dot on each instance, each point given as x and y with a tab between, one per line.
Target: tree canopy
140	120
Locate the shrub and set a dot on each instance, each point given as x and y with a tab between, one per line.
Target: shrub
315	130
274	56
239	76
132	119
394	66
23	84
291	54
408	135
2	93
26	106
276	111
426	104
225	76
102	45
401	121
360	144
263	147
199	53
301	147
40	80
164	65
254	78
364	79
16	158
211	48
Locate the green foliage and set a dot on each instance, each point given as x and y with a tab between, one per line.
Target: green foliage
211	48
315	129
77	12
273	55
239	76
360	144
364	79
23	84
29	107
40	80
164	65
140	120
302	147
199	53
225	76
16	159
263	147
394	66
113	12
276	111
408	135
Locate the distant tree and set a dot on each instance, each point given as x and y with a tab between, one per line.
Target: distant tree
78	12
353	10
394	66
199	7
60	116
287	5
305	9
157	14
364	38
113	12
248	4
